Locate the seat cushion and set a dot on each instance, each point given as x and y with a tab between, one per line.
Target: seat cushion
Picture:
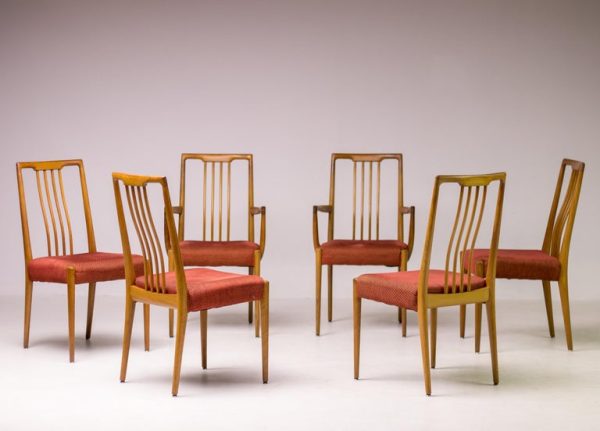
400	288
520	264
208	288
89	267
362	252
218	253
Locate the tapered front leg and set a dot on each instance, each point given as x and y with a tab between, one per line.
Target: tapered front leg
548	302
264	322
491	316
563	287
27	318
423	332
318	291
463	320
179	340
329	293
146	327
129	314
357	318
433	313
90	310
203	336
71	311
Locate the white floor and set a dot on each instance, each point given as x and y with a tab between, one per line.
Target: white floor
542	385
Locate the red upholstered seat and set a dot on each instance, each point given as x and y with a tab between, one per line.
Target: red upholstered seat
362	252
521	264
208	288
400	288
218	253
89	267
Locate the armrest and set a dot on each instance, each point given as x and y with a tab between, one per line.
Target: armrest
411	226
316	209
263	226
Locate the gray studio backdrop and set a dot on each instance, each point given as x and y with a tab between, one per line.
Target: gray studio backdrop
456	86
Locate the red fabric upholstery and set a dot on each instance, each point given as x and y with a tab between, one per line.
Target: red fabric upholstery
400	288
208	288
362	252
521	264
89	267
218	253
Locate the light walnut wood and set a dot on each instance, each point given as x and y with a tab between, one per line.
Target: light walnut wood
154	291
473	190
58	231
366	219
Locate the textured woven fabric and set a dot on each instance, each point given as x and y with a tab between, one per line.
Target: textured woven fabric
362	252
208	288
218	253
400	288
89	267
520	264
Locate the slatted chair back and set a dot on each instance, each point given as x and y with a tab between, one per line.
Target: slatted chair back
473	193
557	239
54	206
132	198
216	194
366	194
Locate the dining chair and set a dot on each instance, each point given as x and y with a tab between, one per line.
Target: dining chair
62	265
551	262
366	247
197	289
428	289
216	247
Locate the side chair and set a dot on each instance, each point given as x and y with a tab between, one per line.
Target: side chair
197	289
551	262
62	265
428	289
366	247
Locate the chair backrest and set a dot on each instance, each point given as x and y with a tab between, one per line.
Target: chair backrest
216	167
366	193
465	230
557	240
54	206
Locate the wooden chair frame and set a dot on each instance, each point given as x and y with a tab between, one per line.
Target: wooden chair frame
54	207
557	243
154	270
364	160
222	230
456	293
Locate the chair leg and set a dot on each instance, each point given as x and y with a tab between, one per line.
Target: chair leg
203	336
404	322
356	301
490	309
548	302
27	318
463	320
90	310
171	322
257	317
318	292
147	327
329	293
129	313
402	267
478	311
423	329
71	311
433	314
179	339
563	287
250	312
264	322
399	314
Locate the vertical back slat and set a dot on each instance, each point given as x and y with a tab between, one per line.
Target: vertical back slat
228	200
561	218
459	238
452	235
160	257
466	241
378	199
139	204
66	208
57	205
51	211
370	195
204	164
135	217
43	208
212	202
354	200
474	239
220	200
362	200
